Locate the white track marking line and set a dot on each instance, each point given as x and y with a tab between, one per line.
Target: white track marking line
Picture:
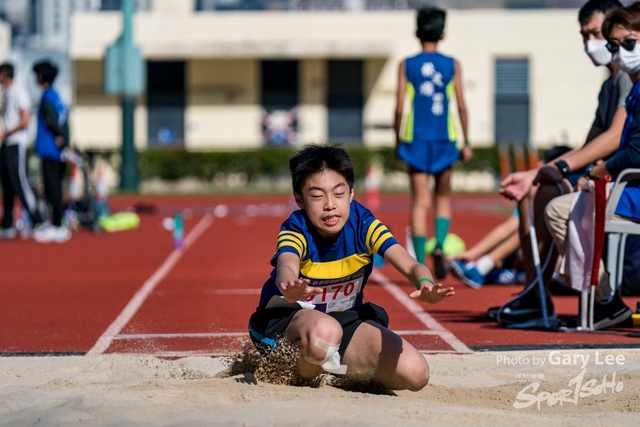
138	299
230	334
419	312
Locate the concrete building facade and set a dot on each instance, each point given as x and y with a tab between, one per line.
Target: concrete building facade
229	76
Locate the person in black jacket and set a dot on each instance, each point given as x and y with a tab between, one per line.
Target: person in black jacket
51	138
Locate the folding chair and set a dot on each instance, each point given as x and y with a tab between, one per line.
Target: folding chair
616	230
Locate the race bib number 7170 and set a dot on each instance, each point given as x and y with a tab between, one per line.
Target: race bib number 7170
338	296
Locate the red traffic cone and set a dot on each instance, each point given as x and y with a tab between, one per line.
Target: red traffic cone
75	184
372	188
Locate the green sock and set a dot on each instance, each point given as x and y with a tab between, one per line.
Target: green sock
419	246
442	229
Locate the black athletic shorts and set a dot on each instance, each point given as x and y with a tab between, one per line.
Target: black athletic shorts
266	326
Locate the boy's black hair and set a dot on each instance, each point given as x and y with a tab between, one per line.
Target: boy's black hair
47	70
555	152
316	158
8	69
430	23
593	6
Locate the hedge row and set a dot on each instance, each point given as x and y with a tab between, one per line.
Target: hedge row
173	165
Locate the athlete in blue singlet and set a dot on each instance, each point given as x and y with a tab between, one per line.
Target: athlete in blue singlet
426	135
314	296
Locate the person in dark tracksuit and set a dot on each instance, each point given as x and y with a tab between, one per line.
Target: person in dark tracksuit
52	136
14	138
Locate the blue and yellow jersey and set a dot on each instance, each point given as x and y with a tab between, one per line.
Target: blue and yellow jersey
341	267
430	86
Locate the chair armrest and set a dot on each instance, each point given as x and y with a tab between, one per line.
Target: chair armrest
624	177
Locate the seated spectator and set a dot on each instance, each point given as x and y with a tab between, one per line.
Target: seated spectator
496	258
619	27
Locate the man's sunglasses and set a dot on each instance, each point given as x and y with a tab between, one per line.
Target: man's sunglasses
628	45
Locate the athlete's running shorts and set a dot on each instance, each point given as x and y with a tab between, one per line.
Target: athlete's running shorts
267	326
429	156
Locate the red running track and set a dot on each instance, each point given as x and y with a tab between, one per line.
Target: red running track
66	298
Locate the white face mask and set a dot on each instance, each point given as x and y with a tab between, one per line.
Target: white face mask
629	62
597	51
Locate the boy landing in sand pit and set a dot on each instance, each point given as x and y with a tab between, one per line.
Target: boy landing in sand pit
314	296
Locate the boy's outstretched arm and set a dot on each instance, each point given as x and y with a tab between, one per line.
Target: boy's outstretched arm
467	154
402	89
427	290
292	287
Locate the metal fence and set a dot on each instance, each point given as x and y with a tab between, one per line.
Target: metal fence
233	5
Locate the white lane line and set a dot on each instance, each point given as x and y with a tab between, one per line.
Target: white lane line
230	334
419	312
138	299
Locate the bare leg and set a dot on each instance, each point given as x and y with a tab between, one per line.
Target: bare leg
443	193
504	249
545	193
420	200
305	328
495	237
375	353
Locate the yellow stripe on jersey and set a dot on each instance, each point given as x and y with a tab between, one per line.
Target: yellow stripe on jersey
290	243
370	231
377	234
407	131
451	121
334	269
381	239
294	240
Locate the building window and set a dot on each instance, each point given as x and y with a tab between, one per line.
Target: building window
166	100
345	100
280	102
512	100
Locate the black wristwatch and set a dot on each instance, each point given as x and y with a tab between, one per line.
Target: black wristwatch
588	171
564	168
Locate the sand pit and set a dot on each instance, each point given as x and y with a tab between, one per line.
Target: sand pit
475	389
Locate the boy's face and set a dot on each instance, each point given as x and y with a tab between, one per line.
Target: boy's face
326	199
593	29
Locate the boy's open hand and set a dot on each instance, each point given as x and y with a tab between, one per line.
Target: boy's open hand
299	289
432	293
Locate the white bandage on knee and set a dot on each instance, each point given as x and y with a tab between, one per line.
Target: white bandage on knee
331	362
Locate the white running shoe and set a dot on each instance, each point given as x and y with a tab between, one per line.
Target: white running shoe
8	233
52	234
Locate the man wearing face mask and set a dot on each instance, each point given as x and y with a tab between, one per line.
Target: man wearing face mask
564	174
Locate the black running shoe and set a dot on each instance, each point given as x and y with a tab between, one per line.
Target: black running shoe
439	263
492	313
614	313
525	311
559	286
